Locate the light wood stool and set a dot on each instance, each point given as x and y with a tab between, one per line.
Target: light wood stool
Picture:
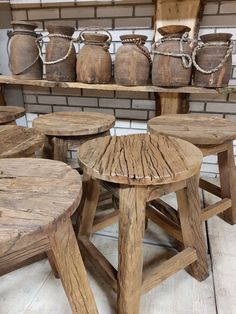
9	114
38	197
18	141
137	169
65	130
213	136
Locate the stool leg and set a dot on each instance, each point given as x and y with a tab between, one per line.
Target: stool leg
47	148
91	192
192	226
60	147
228	182
52	263
131	230
71	268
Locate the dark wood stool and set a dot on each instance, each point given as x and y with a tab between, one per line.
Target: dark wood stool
18	141
138	169
64	130
38	197
213	136
9	114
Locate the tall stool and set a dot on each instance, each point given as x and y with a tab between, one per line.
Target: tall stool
213	136
66	129
9	114
38	197
18	141
139	168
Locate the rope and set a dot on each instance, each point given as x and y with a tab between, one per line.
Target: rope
139	43
186	59
222	62
72	40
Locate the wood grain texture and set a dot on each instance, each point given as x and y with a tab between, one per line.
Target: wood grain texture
73	123
2	99
197	129
139	159
18	141
171	103
10	113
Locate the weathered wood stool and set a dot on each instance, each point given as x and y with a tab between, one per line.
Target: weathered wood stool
18	141
64	130
37	198
139	168
9	114
213	136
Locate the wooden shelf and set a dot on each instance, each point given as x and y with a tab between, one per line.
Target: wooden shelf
115	87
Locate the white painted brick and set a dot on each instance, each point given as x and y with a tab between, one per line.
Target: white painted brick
30	99
212	159
144	104
234	59
221	107
38	108
114	103
231	117
196	106
43	14
232	82
25	3
232	97
208	175
35	90
83	12
31	116
19	15
82	101
52	100
204	31
211	168
104	23
151	114
131	1
66	108
120	132
219	20
116	34
207	97
228	7
139	125
144	10
29	124
102	110
21	121
234	73
58	3
122	123
114	11
132	23
211	8
147	32
131	114
92	2
227	30
71	23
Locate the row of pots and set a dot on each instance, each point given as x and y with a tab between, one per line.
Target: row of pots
172	66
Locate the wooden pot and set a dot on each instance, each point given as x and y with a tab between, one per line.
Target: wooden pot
172	64
60	54
94	63
213	60
132	63
24	60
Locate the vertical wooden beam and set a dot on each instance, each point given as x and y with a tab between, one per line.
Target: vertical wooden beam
2	100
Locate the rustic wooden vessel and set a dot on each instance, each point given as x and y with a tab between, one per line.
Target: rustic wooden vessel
24	60
60	54
213	60
172	65
94	63
132	63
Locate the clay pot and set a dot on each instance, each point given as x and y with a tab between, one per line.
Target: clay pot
213	60
24	60
60	54
94	63
172	64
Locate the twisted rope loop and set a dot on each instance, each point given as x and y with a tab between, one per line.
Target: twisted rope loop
214	44
39	41
186	59
139	43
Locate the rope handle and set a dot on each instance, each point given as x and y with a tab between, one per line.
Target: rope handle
39	40
186	59
10	34
139	43
222	62
96	29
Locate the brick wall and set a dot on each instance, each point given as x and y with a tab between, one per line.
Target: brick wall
132	110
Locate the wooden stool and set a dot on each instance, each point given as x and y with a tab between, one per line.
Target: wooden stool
38	197
8	114
139	168
213	136
18	141
64	130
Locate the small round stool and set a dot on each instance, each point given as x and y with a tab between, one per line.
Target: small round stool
18	141
38	197
213	136
8	114
64	130
138	169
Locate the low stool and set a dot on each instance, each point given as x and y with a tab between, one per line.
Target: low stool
138	169
213	136
38	196
9	114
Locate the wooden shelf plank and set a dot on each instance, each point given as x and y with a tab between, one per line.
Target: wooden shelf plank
115	87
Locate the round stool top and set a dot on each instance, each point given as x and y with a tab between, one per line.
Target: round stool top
10	113
18	141
140	159
199	130
34	193
74	123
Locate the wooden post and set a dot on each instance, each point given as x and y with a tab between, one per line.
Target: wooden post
2	100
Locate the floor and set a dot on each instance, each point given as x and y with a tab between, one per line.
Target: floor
34	289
